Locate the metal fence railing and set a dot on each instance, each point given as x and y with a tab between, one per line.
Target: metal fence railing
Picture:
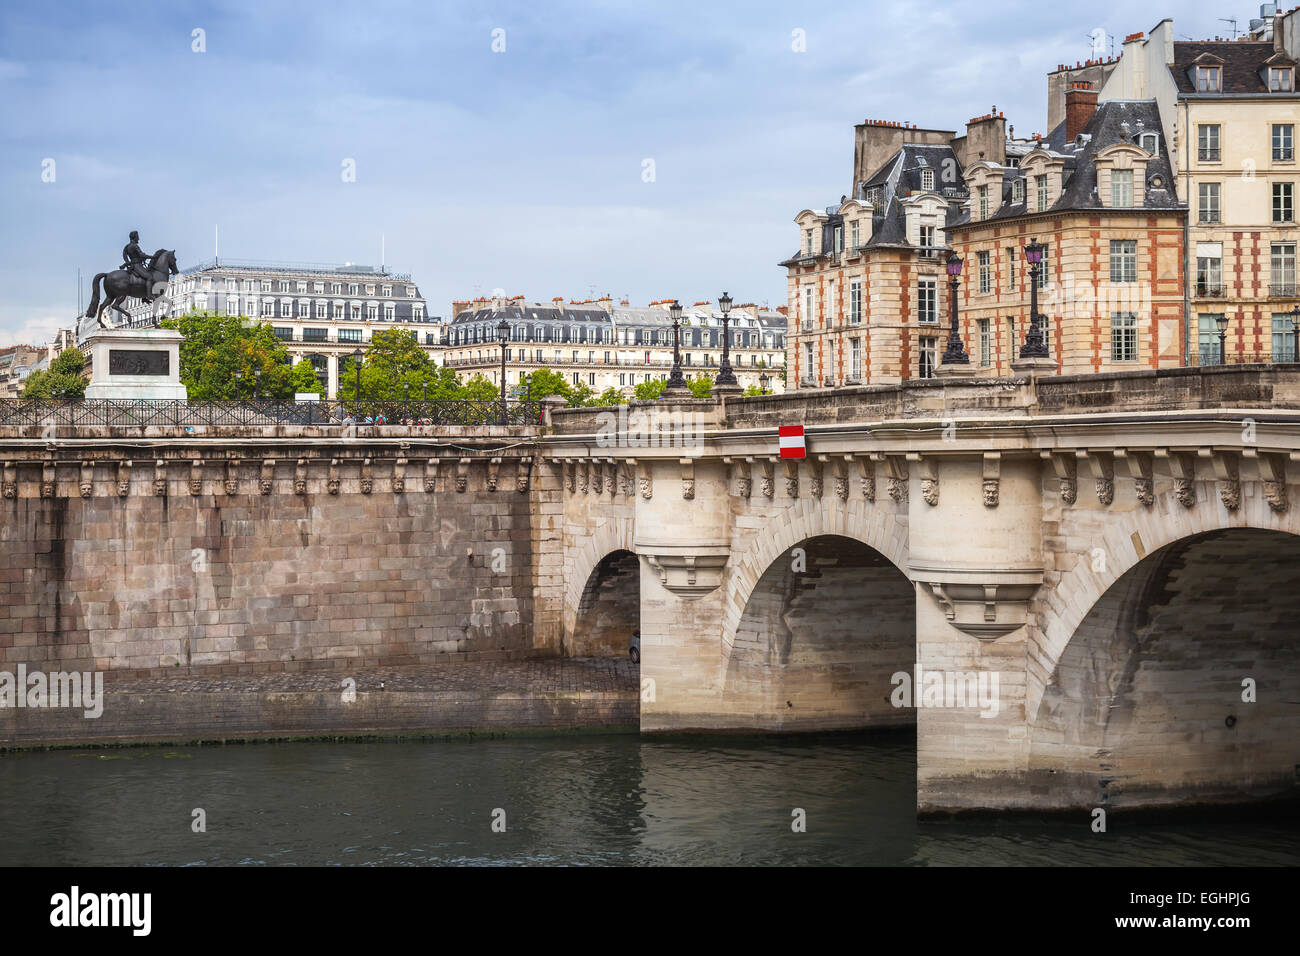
1207	355
172	412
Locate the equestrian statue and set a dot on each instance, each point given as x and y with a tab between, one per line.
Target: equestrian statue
141	277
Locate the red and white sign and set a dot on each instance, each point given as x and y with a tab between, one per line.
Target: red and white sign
792	444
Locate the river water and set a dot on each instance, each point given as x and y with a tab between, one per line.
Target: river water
617	799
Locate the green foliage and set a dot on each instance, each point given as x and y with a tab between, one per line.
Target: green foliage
304	379
227	358
610	396
752	390
651	390
545	382
61	380
701	386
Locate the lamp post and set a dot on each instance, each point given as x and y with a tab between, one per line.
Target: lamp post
257	384
1222	322
1034	346
503	336
676	380
726	377
762	382
1295	333
239	381
955	353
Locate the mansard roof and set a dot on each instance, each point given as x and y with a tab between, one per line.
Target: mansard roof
1242	61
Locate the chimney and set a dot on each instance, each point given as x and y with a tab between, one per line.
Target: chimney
1080	105
606	302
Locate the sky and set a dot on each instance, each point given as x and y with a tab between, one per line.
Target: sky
644	150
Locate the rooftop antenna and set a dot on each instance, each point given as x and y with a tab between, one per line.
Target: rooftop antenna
216	241
1233	21
382	250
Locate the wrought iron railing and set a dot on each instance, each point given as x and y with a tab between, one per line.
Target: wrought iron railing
1209	355
175	413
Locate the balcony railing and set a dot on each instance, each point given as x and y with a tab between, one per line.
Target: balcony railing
1206	290
1209	355
1282	290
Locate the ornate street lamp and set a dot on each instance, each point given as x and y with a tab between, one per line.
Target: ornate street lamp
725	375
239	380
676	380
1222	322
1034	346
762	382
1295	333
955	354
503	336
257	383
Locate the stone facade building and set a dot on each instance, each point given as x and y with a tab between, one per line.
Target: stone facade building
603	345
1232	109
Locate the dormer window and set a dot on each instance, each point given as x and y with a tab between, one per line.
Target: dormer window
1040	183
1280	79
1121	187
1209	79
1150	142
927	179
1017	190
984	202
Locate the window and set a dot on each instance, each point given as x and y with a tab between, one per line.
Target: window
854	227
927	241
1040	185
388	313
1123	337
283	334
1207	202
855	302
1150	142
984	202
1123	260
985	279
1017	190
1283	338
1011	268
1282	269
352	288
1121	187
928	359
1283	142
349	335
1207	79
388	291
808	242
372	312
1209	269
927	179
1207	339
855	359
232	305
1207	143
808	307
830	364
1283	202
808	362
986	343
336	288
839	239
1279	79
315	335
1043	271
927	302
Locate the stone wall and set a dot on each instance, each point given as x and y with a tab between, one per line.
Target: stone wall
259	567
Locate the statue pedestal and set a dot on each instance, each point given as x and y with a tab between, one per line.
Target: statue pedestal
955	371
135	364
1034	366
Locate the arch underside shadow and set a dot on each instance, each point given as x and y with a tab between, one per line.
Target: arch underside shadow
1145	704
609	609
821	634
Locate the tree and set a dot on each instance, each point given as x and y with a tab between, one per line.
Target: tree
544	382
610	396
227	357
61	380
649	391
304	378
701	387
751	391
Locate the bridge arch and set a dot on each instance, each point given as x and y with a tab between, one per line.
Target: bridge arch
881	529
1121	546
610	539
1179	683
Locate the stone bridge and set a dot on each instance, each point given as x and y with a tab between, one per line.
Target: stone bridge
1081	591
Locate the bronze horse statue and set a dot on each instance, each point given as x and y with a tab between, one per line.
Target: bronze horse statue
121	284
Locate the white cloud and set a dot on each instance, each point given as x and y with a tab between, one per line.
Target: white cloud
36	329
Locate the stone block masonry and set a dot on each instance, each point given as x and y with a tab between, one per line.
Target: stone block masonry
244	567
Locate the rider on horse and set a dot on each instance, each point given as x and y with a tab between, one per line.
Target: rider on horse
133	261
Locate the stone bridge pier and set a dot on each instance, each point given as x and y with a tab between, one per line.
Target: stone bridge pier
1082	593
